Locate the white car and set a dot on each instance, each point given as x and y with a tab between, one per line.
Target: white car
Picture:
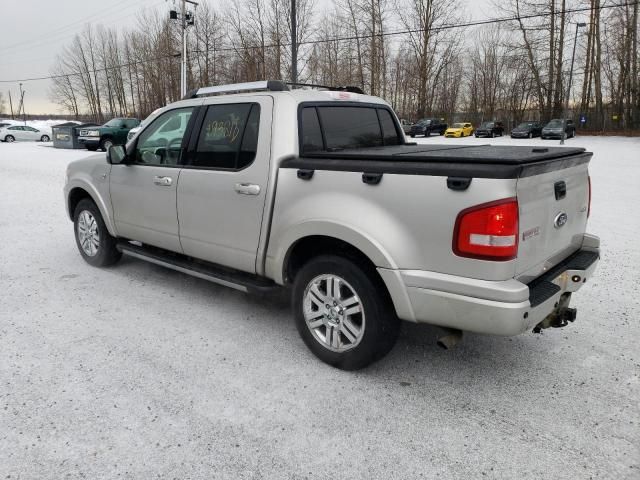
24	132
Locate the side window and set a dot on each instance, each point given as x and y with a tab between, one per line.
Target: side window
311	134
15	128
350	127
160	146
389	133
229	136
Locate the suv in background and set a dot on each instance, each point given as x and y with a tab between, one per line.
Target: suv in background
553	129
527	129
427	126
114	132
490	129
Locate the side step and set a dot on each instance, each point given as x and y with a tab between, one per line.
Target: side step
228	277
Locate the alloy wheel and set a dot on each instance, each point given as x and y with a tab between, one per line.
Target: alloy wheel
333	312
88	234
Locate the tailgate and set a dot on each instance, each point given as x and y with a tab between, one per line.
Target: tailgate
553	217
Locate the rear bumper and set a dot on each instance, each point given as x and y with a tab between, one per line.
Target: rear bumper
504	308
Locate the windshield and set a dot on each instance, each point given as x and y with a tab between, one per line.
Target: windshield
424	121
487	125
555	123
458	125
525	125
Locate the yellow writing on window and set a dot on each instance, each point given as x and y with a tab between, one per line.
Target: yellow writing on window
224	129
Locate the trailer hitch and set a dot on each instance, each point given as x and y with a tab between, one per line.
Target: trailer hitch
561	316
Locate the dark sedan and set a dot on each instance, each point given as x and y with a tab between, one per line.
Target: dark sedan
528	129
490	129
553	129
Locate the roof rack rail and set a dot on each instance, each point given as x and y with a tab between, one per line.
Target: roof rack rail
264	85
345	88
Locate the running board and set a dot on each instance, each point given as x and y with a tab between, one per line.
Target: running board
245	282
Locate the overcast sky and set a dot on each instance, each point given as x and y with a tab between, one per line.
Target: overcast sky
34	32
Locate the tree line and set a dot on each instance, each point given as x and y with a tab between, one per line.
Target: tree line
417	54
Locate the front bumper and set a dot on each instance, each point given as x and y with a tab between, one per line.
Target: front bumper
89	141
556	135
520	134
453	134
504	308
482	133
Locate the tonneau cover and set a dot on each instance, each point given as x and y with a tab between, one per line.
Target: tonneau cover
492	154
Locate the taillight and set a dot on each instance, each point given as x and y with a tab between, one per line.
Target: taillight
589	204
488	231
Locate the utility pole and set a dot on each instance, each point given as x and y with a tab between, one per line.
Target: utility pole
186	20
294	43
566	100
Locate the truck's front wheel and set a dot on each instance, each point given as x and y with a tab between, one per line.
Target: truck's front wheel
95	244
343	313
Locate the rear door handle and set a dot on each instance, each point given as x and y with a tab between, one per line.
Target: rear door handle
247	188
162	181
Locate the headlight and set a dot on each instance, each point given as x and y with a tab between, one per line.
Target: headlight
93	133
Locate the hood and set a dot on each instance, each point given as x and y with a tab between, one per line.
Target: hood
87	164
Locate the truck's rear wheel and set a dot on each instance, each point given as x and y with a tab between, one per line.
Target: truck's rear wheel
343	314
96	245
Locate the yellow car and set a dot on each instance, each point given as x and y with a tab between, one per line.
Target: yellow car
459	130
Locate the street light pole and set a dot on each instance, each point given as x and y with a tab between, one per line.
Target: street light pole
566	99
294	43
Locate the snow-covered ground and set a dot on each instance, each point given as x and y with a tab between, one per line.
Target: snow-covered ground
139	372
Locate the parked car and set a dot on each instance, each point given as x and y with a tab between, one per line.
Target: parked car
5	124
553	129
406	126
258	209
134	130
459	130
114	132
427	126
490	129
528	129
14	133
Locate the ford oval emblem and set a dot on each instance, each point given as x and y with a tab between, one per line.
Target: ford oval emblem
560	220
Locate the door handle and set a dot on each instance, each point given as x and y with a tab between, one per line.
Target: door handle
247	188
163	181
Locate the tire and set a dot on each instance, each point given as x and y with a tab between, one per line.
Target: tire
412	135
92	149
9	139
357	339
105	144
87	217
45	138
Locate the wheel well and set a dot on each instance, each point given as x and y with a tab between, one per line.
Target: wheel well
306	248
75	195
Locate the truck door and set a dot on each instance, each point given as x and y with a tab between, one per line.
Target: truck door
143	191
223	184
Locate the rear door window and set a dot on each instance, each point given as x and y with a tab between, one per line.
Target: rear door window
229	136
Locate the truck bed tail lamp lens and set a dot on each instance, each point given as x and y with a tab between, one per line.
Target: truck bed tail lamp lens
488	231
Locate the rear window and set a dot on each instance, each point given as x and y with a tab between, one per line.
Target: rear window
335	128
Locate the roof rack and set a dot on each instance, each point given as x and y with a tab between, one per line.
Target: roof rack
265	85
345	88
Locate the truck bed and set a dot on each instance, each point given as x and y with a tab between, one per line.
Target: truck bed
481	161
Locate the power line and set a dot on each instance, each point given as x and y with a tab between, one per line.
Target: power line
340	39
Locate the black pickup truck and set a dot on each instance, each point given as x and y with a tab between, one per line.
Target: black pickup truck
427	126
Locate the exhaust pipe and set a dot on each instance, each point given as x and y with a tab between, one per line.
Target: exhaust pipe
450	339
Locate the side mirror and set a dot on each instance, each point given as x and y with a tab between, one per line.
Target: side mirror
116	154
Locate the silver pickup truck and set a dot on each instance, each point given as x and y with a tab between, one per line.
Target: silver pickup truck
259	186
